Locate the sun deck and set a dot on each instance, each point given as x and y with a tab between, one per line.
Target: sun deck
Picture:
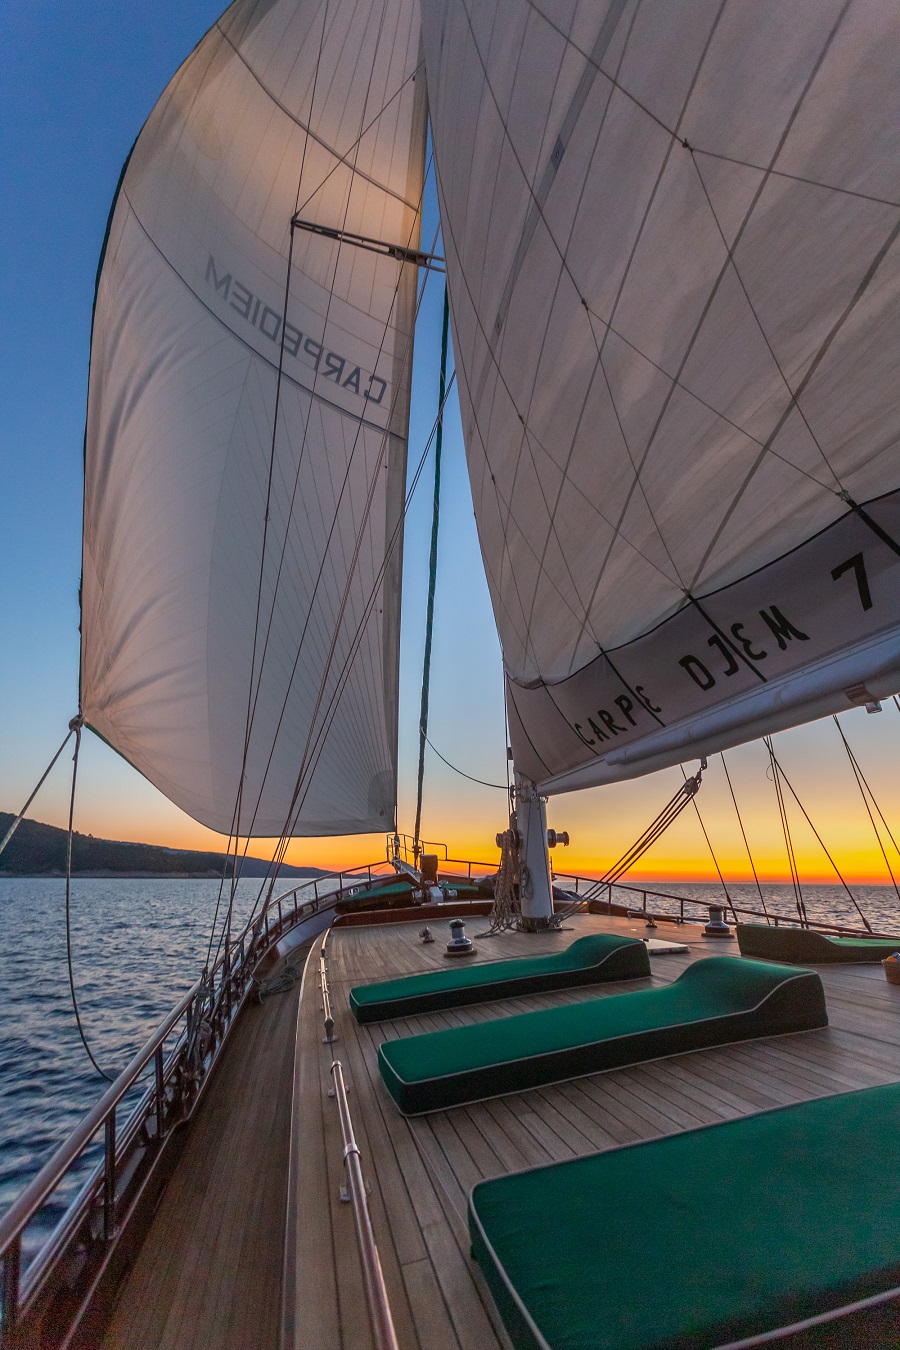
211	1269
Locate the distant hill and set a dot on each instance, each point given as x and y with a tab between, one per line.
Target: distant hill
37	850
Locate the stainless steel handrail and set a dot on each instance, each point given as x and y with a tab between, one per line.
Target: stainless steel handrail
377	1302
210	1007
55	1169
326	1000
594	895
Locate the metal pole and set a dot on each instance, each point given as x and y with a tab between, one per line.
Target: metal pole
109	1177
12	1266
160	1094
373	1277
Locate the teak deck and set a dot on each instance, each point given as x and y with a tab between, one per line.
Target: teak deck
210	1272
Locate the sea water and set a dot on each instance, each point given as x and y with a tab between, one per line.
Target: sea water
138	946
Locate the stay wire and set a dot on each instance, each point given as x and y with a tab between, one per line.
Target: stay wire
670	812
310	746
18	820
864	788
432	575
76	725
762	898
712	853
786	831
314	747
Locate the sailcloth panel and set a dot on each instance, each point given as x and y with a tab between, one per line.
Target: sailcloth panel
672	246
199	617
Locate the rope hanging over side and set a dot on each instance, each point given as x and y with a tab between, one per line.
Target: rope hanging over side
432	573
75	725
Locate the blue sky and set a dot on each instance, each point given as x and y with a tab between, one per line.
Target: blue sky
76	84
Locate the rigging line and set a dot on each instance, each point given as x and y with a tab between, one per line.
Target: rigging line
499	786
321	736
432	574
692	393
321	572
308	768
714	289
860	781
313	753
709	844
356	441
603	38
794	399
18	820
872	524
762	898
803	385
271	469
543	190
252	712
786	831
75	725
654	830
822	843
797	178
504	504
329	149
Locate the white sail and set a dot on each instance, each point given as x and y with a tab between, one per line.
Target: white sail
674	269
315	110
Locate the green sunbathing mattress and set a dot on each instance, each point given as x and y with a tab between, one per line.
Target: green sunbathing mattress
589	960
715	1001
705	1238
799	944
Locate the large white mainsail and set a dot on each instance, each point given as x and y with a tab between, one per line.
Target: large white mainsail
314	110
672	246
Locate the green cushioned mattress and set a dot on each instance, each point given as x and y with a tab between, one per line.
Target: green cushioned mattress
704	1238
799	944
589	960
716	1000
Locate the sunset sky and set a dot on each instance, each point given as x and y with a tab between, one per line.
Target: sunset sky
74	92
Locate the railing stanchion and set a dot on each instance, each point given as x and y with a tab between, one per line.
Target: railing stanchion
109	1177
160	1093
12	1269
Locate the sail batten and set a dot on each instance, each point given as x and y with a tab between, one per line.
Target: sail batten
672	249
247	424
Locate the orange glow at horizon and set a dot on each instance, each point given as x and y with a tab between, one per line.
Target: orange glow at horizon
115	803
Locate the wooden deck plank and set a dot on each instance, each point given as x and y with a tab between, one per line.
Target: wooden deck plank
182	1293
191	1285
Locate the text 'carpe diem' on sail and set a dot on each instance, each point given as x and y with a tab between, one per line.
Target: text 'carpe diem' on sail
247	422
671	234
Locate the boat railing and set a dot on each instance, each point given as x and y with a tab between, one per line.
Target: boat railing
109	1167
409	850
690	910
377	1303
